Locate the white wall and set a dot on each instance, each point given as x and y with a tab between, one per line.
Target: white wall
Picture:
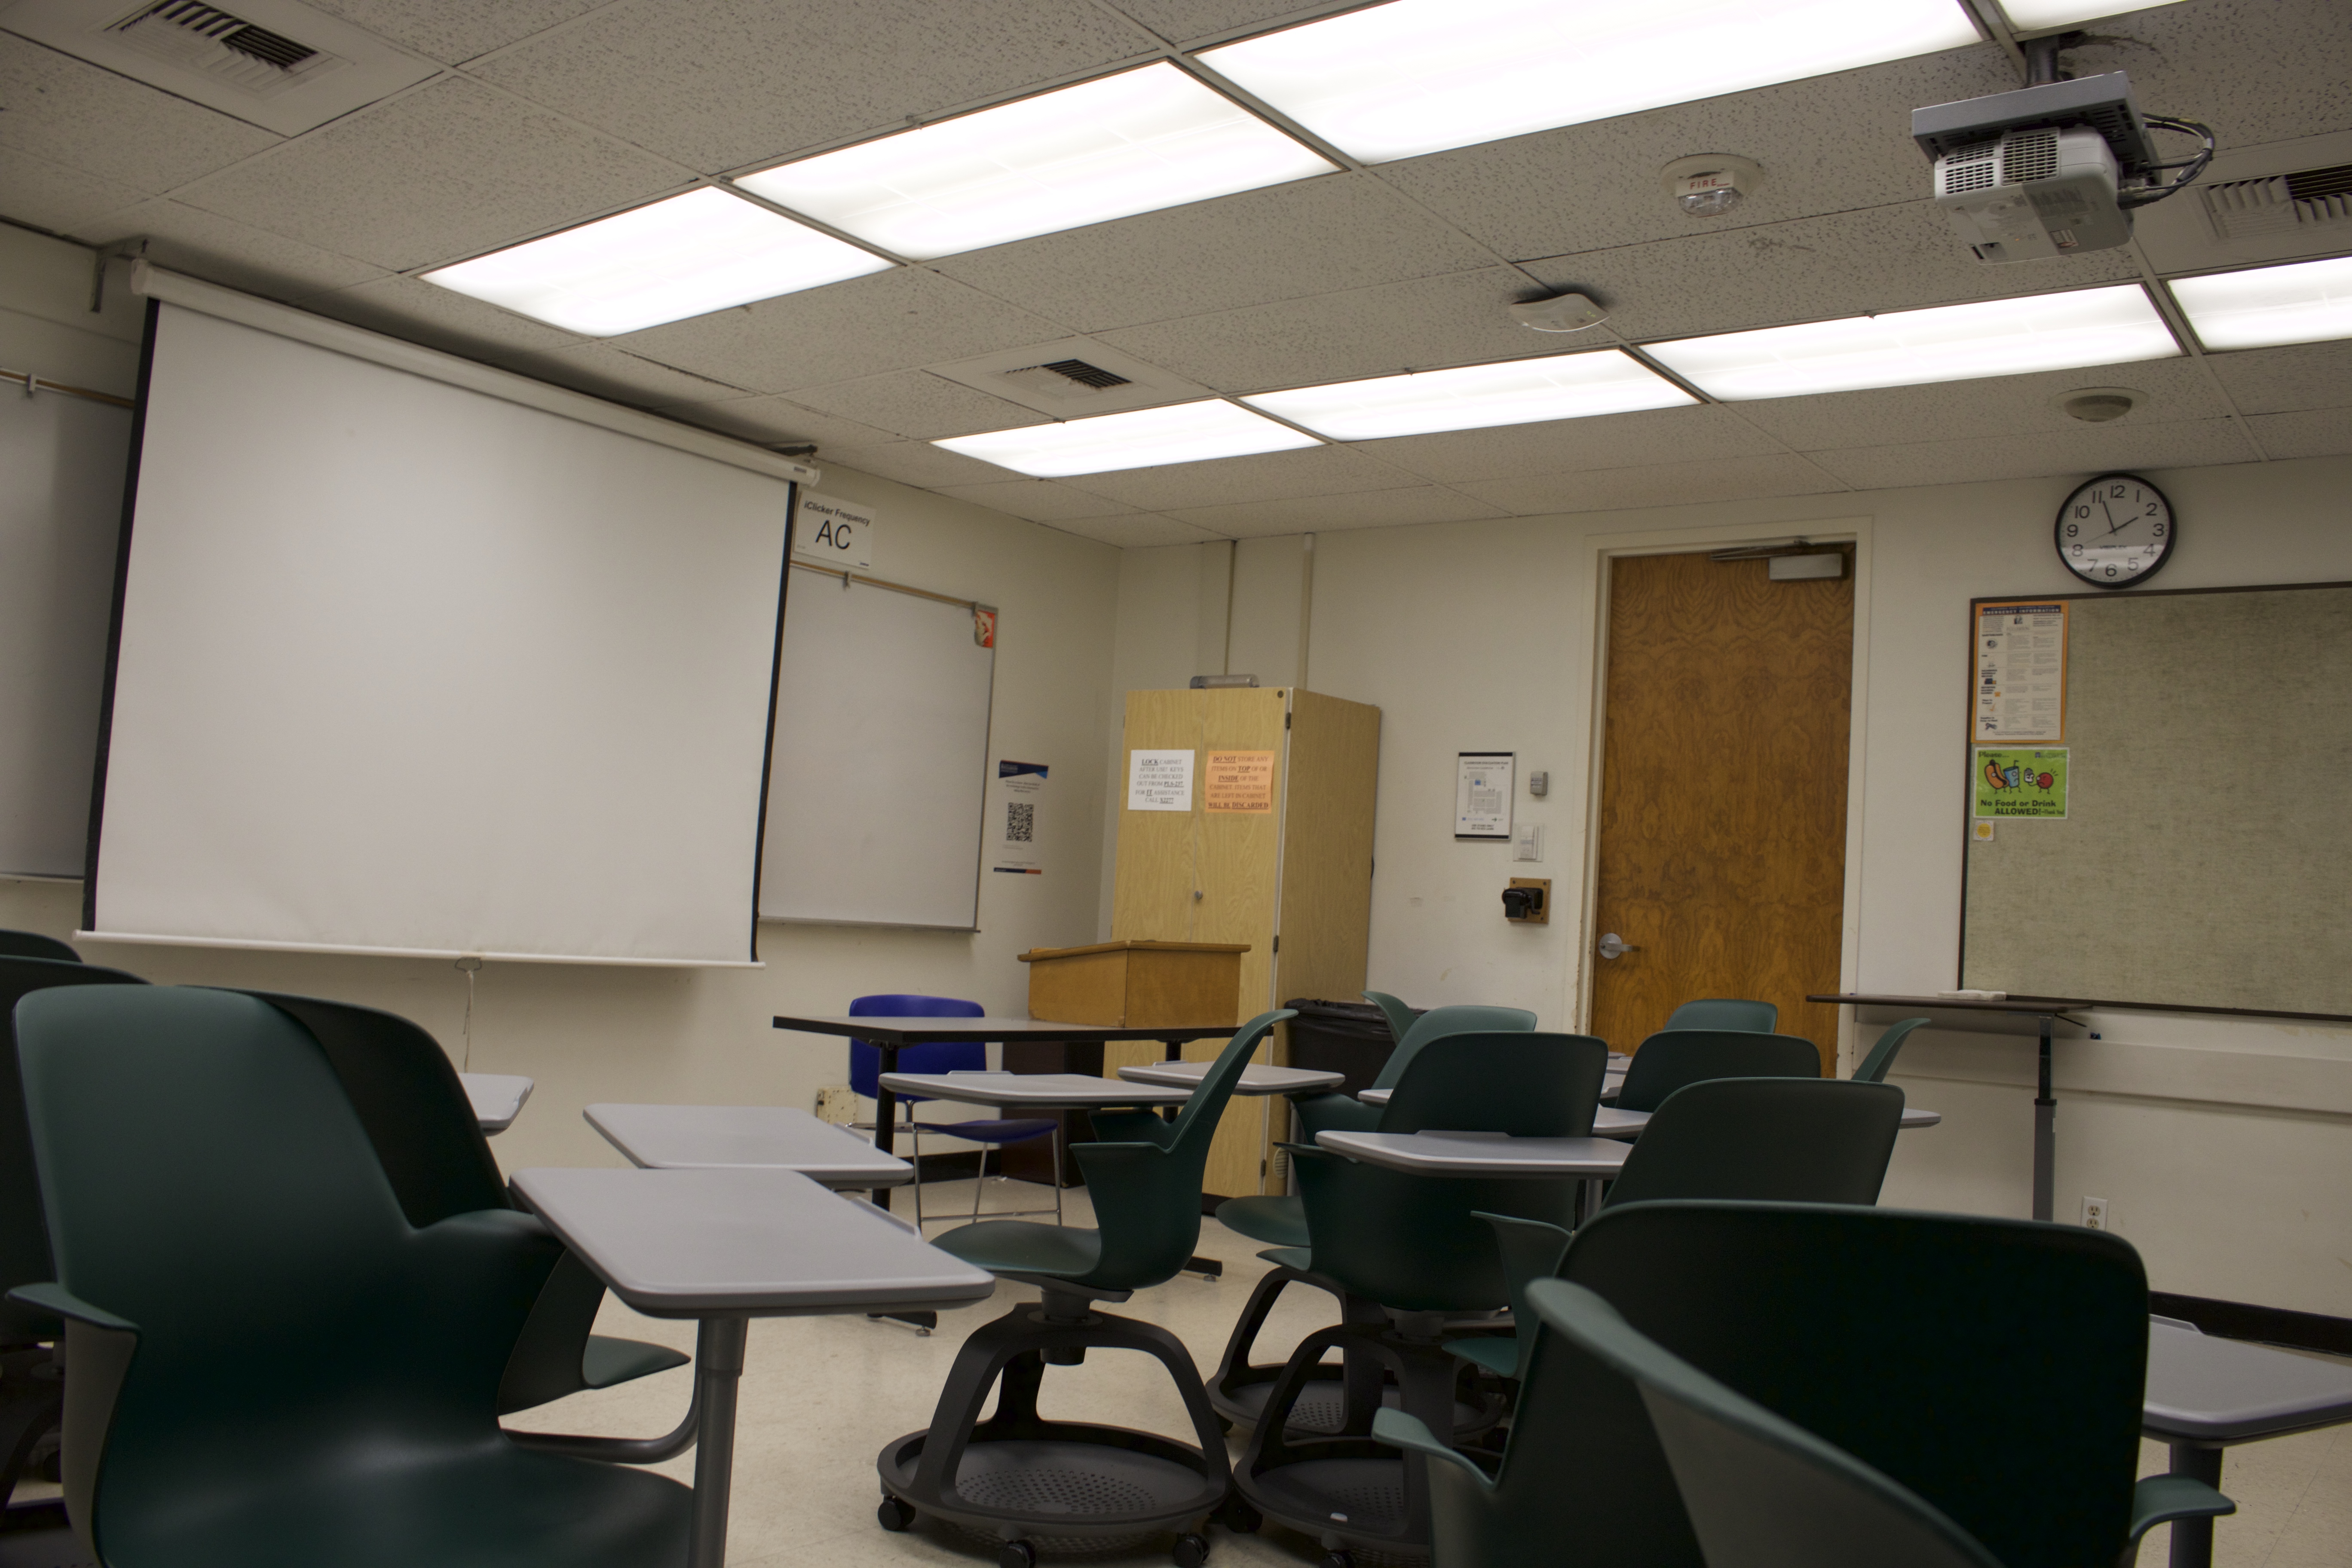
2231	1184
46	326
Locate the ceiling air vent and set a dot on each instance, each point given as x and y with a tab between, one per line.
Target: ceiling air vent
1071	378
277	64
2255	209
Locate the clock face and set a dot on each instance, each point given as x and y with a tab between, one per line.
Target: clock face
2116	530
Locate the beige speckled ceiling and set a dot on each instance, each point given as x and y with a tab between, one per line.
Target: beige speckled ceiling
190	239
454	34
70	112
1566	446
1687	483
2273	381
2171	390
2085	449
916	404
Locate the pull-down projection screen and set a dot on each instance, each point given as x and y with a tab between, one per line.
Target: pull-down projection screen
411	666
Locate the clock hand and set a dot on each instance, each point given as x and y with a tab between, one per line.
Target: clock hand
2112	524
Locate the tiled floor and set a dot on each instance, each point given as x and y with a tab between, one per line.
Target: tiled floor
821	1395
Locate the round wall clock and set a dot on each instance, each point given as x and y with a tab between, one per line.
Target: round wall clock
2116	530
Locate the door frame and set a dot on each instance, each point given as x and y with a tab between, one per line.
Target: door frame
1602	550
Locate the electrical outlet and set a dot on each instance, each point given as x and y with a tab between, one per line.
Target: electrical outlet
2094	1215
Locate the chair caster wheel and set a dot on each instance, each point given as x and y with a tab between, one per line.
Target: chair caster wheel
1337	1558
1238	1515
894	1514
1016	1554
1191	1551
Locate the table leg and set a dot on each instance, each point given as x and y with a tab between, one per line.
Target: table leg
2192	1538
2045	1132
718	1369
886	1115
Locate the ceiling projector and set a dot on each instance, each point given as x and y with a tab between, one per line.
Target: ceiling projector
2052	169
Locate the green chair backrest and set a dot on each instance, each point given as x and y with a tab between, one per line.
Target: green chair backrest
1673	1057
1775	1140
1412	1242
1725	1013
1392	1008
1759	1491
1882	1055
1147	1192
1439	1023
1994	1367
33	944
206	1178
24	1230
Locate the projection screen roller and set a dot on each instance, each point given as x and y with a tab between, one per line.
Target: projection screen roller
406	666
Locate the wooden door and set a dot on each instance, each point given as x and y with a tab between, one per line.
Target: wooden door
1204	876
1721	852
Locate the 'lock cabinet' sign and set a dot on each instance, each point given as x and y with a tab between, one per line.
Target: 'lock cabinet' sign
837	534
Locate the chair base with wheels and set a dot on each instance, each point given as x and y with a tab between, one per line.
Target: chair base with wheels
1239	1389
1066	1485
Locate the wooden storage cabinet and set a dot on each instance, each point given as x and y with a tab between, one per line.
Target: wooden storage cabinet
1292	881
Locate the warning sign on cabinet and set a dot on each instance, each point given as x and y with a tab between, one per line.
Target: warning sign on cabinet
1238	781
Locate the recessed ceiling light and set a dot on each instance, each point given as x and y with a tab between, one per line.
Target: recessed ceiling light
1107	149
1141	438
1905	348
683	256
2302	303
1474	396
1419	75
2033	15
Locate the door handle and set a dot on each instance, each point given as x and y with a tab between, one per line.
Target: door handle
1614	946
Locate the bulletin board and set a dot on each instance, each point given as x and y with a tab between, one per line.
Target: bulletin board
2186	845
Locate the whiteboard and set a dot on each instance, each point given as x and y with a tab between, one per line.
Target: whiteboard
879	759
61	465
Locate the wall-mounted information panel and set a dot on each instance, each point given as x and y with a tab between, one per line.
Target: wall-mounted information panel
2189	846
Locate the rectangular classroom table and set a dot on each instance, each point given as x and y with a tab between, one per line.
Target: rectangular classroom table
746	1137
723	1248
888	1035
497	1099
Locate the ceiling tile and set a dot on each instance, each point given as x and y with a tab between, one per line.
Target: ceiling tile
1684	483
603	371
1808	270
73	113
2313	433
889	320
914	463
50	195
2086	450
1312	237
1826	144
1136	533
454	31
1996	406
718	84
1268	475
778	422
1313	514
916	404
2278	381
210	246
2255	70
448	171
406	308
1417	325
1184	21
1039	500
1567	445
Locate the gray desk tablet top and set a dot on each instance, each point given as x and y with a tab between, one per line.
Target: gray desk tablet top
1612	1122
497	1098
1610	1085
2208	1391
746	1137
1255	1079
1031	1091
1480	1154
758	1244
901	1030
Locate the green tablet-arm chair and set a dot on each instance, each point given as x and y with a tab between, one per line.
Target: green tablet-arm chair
1882	1055
1671	1058
424	1131
1992	1369
1725	1013
1780	1140
1019	1476
33	944
1401	1018
271	1367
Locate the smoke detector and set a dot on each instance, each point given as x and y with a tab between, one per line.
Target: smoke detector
1561	314
2098	404
1709	184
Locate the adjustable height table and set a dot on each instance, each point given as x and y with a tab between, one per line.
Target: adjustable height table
746	1138
2047	1010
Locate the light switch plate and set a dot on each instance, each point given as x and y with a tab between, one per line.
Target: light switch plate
1526	842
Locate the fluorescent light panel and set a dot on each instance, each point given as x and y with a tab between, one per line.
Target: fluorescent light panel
1949	343
682	256
2306	302
1472	397
1420	76
2033	15
1135	142
1142	438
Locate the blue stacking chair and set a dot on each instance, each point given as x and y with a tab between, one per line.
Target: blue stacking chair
945	1056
